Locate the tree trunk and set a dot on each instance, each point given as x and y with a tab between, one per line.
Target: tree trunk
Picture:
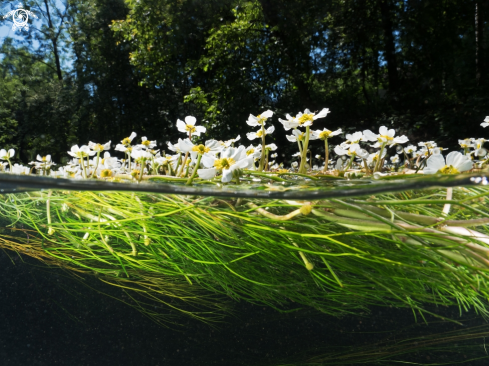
479	44
54	42
296	54
389	45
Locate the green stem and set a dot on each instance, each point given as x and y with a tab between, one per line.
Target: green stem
96	164
302	167
379	159
350	162
262	157
183	165
326	155
194	173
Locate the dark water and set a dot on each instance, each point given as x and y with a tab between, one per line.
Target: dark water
48	317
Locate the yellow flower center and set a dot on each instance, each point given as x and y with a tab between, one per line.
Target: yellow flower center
259	133
305	118
146	143
190	128
201	149
129	149
281	171
384	138
126	141
449	169
261	120
250	151
44	159
135	173
106	173
224	163
301	136
324	135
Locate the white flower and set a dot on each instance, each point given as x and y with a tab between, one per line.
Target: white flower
455	163
289	123
173	148
254	151
326	134
301	136
306	119
410	149
146	144
230	160
346	149
189	126
98	147
486	122
271	147
394	159
127	141
43	159
20	169
294	164
141	155
354	138
6	155
385	136
109	162
230	142
260	119
427	144
374	157
259	133
478	143
80	152
185	145
466	143
211	147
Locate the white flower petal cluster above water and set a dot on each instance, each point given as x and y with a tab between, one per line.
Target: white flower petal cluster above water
189	158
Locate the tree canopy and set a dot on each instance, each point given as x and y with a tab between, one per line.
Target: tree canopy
97	70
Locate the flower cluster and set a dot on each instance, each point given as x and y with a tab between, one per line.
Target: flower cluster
188	159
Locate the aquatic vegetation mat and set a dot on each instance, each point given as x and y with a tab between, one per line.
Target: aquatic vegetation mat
406	249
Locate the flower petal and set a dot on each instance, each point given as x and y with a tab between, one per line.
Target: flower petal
207	173
190	120
181	126
434	163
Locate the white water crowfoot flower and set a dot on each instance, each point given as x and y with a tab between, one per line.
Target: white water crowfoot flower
297	135
486	122
259	134
189	126
455	163
6	155
260	119
98	147
307	118
324	135
127	141
80	153
385	137
230	142
289	123
230	160
146	144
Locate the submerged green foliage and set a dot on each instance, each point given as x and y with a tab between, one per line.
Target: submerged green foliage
338	256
